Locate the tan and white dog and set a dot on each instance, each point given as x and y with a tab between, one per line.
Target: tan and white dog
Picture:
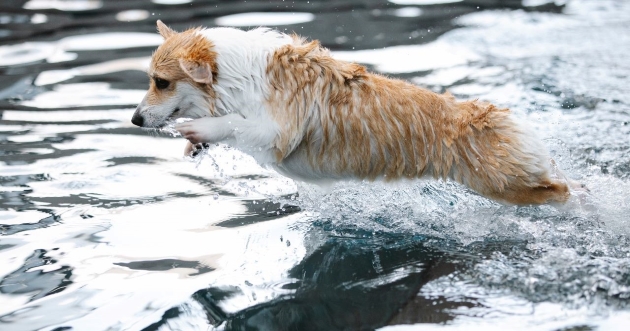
291	105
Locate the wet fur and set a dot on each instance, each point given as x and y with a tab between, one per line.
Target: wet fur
291	105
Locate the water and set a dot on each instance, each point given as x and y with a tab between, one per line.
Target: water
106	227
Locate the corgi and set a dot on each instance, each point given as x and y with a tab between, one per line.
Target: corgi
292	106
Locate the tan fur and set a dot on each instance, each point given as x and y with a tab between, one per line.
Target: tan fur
188	46
364	125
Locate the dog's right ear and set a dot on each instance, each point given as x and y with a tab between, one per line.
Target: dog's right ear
164	30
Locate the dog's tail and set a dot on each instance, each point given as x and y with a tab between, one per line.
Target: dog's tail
497	155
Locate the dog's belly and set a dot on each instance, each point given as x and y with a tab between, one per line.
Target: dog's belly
297	166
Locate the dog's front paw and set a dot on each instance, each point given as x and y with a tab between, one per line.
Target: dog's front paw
191	131
194	150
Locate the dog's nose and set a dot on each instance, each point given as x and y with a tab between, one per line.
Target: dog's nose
137	119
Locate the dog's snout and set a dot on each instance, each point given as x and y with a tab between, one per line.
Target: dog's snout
137	119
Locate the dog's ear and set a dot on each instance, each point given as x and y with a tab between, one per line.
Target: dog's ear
199	72
164	30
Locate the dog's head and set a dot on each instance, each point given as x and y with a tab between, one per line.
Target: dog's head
182	72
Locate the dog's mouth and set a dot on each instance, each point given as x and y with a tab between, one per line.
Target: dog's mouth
172	116
168	125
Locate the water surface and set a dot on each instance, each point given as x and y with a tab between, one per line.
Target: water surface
106	227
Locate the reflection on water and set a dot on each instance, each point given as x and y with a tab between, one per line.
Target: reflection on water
103	226
264	19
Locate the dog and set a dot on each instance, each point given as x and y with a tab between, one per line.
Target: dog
291	105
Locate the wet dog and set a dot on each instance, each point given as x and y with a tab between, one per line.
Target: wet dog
291	105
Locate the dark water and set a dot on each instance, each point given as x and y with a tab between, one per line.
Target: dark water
104	227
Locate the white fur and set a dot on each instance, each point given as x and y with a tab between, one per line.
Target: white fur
242	60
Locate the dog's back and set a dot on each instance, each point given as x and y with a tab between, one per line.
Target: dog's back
340	121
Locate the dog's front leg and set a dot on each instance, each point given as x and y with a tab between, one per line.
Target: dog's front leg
209	129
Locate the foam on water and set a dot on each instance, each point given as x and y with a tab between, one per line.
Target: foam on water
59	51
65	5
404	59
264	19
572	257
422	2
83	95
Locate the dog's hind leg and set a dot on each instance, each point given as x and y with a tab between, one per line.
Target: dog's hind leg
547	191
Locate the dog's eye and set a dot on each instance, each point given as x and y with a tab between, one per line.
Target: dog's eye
161	83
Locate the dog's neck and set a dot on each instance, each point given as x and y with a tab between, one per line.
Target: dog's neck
242	61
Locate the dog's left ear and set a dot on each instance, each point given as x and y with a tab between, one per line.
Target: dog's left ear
199	72
164	30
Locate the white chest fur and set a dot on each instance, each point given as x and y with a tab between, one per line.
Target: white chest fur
242	86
